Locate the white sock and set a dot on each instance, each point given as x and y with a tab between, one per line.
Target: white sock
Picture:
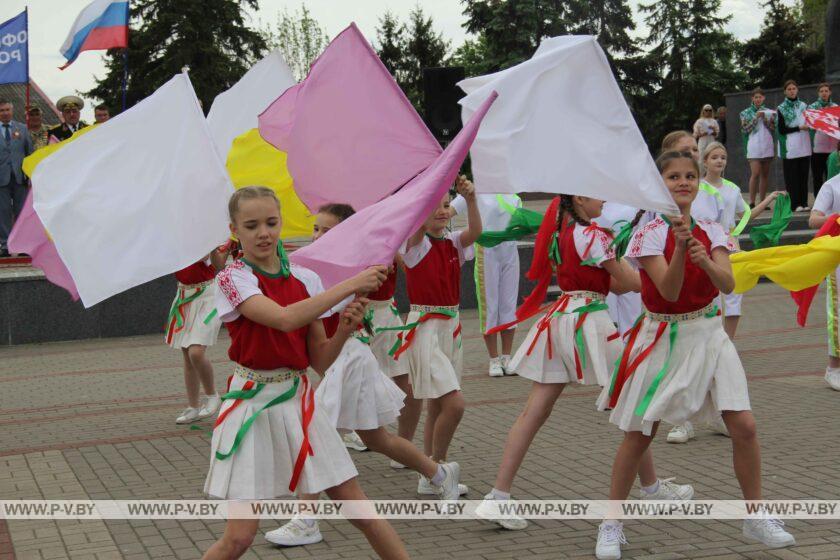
506	356
437	480
652	488
499	495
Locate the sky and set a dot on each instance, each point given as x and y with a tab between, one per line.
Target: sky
50	21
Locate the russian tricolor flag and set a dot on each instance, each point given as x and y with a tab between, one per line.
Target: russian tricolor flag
103	24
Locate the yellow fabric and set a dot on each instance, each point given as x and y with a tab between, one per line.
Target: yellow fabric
31	162
253	161
793	267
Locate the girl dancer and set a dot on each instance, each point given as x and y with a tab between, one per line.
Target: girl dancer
433	260
678	362
193	326
574	342
356	395
270	439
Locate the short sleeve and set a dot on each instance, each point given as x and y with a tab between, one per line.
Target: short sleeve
464	254
593	247
312	282
459	204
649	240
235	284
717	236
825	200
413	256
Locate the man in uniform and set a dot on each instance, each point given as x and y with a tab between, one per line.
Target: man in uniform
70	107
39	132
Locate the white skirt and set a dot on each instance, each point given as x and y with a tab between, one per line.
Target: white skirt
549	354
355	394
730	304
385	314
435	355
704	376
195	313
262	467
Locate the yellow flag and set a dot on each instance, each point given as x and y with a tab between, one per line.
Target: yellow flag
793	267
31	162
253	161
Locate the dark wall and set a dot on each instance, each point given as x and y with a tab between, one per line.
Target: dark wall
737	169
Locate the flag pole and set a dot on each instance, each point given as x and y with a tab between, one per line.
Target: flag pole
28	80
125	76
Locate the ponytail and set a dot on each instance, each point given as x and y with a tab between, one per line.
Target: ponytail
540	270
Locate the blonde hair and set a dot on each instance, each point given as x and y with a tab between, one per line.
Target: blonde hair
672	139
248	193
712	147
703	110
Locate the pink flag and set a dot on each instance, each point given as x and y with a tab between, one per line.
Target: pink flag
29	236
826	120
350	133
374	235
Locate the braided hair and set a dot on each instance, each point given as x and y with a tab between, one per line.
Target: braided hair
568	207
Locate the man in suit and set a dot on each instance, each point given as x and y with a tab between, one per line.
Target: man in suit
15	144
70	107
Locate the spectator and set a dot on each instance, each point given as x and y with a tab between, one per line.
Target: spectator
15	144
794	146
757	125
821	143
70	107
38	131
706	128
721	119
101	113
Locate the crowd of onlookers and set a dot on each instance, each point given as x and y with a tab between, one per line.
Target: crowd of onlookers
18	140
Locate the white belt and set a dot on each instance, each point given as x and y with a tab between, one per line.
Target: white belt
198	286
668	318
267	376
433	308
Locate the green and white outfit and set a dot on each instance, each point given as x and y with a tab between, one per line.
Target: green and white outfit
758	134
496	268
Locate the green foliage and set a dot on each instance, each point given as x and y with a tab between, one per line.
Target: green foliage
299	37
814	12
781	51
208	36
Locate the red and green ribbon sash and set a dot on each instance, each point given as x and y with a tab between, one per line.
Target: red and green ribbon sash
249	391
404	338
590	230
177	313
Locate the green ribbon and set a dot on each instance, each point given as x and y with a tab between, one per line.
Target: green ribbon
244	395
745	218
522	222
503	204
285	267
672	338
210	316
579	342
709	189
554	250
409	326
175	311
768	235
622	239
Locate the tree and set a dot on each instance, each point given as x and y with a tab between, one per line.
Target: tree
814	12
299	37
781	51
693	56
511	30
208	36
472	55
405	49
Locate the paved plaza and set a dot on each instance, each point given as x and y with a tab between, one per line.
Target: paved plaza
95	420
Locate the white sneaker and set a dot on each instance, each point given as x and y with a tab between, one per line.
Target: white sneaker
488	510
190	414
719	427
353	441
295	533
426	488
211	407
832	377
496	369
506	366
681	434
610	539
395	465
768	531
668	490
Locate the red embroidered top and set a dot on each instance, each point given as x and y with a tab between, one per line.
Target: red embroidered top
579	244
257	346
697	291
387	289
433	270
196	273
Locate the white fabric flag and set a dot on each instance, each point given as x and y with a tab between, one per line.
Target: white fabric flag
561	125
138	197
235	111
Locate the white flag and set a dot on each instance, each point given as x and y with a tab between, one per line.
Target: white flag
235	111
561	125
140	196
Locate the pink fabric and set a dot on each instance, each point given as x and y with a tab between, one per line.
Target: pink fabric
29	236
350	133
826	120
374	235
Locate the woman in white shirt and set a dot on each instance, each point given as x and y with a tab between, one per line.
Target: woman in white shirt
706	129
